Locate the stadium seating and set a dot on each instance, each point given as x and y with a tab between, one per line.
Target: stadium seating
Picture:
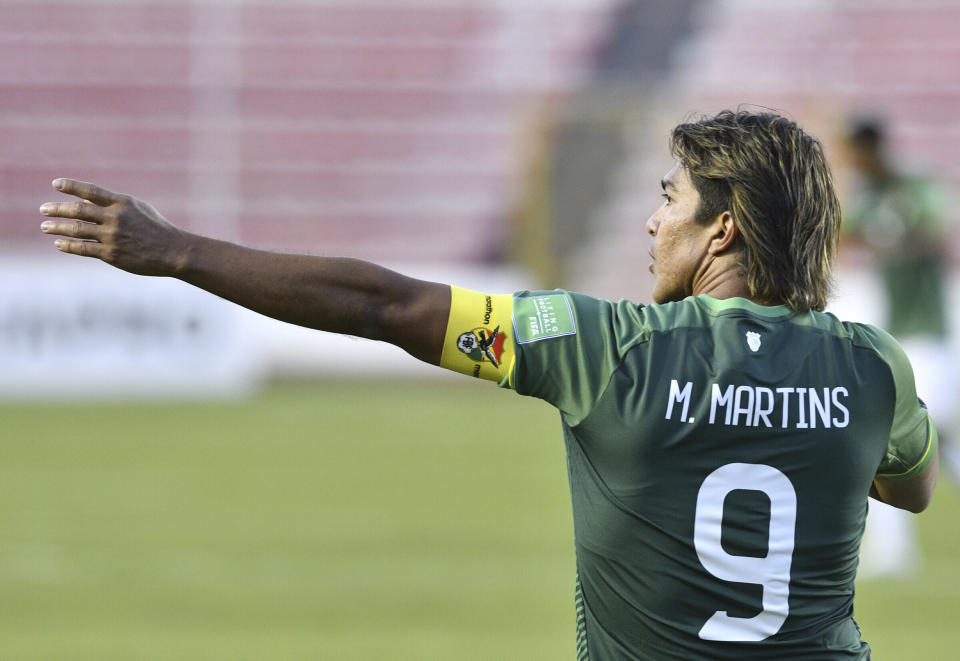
384	129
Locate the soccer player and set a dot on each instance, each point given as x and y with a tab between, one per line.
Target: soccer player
903	219
722	442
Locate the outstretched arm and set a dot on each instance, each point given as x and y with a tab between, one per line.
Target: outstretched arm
331	294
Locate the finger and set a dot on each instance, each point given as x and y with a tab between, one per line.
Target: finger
78	209
76	229
82	189
82	248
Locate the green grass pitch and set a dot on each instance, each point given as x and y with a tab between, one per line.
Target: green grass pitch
342	520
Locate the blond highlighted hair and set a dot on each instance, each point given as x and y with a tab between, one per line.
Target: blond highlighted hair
774	179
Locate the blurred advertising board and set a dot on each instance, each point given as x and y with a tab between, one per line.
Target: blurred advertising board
74	328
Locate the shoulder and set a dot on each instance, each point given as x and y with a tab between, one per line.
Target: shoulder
545	314
876	340
693	311
926	193
541	314
867	336
568	345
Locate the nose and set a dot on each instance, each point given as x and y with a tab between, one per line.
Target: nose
652	224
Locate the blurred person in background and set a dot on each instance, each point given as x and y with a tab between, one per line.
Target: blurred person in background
721	442
902	219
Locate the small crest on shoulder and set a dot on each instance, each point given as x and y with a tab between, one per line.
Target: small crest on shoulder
753	341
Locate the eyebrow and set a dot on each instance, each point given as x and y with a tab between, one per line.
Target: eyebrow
666	183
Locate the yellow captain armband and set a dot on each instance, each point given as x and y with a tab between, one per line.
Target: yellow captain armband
479	337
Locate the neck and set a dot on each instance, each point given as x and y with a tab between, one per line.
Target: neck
723	277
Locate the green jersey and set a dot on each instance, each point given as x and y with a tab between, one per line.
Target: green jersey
904	221
720	456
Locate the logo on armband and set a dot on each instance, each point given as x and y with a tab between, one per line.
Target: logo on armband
480	346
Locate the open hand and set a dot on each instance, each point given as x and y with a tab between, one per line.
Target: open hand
118	229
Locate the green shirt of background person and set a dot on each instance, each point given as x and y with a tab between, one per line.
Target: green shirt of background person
903	219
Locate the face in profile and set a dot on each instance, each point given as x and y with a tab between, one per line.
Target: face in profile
679	243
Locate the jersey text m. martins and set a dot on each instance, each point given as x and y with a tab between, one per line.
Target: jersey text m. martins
756	406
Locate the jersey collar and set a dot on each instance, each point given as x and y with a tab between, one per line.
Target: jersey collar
717	305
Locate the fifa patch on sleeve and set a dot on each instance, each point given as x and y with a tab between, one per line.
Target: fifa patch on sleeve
543	317
478	339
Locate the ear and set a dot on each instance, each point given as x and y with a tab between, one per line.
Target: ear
725	234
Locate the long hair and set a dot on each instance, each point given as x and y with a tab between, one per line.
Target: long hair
775	181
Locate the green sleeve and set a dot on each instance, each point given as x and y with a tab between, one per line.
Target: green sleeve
913	436
569	345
